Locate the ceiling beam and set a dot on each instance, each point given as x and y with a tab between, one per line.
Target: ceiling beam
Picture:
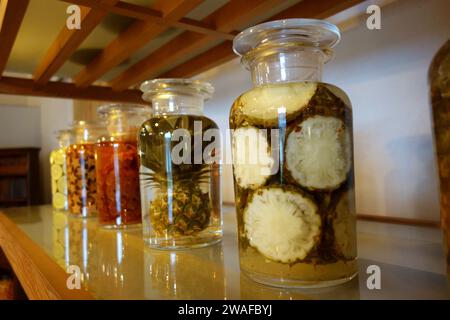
317	9
138	12
67	41
233	15
132	39
28	87
11	16
205	61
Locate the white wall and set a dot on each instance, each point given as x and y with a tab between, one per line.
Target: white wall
385	74
20	126
32	122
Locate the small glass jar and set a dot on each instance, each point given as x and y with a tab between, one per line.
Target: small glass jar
117	165
179	152
58	171
292	151
81	174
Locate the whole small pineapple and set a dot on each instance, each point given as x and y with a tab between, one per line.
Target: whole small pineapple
188	213
179	206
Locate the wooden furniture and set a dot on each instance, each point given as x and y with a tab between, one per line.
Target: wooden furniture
10	288
41	244
19	177
204	42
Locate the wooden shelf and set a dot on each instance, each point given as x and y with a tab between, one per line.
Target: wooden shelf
41	243
13	171
19	176
14	201
18	173
39	275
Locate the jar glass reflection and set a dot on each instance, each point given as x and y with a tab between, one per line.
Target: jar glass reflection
175	274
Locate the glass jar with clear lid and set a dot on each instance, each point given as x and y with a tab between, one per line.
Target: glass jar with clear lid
292	151
117	165
81	173
179	166
58	171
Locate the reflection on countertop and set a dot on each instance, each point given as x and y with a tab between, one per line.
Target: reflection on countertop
116	264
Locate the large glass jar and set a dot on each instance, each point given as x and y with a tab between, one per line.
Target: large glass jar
439	78
81	174
293	159
117	165
58	171
179	166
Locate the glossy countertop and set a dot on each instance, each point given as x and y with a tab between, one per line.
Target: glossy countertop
116	264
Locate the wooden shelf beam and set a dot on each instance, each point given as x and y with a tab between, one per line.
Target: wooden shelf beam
233	15
203	62
317	9
203	45
142	13
11	16
67	41
132	39
28	87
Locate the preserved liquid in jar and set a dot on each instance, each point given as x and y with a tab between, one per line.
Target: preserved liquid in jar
58	175
295	200
118	200
182	201
81	177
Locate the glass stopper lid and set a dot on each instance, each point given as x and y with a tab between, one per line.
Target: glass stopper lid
116	108
181	86
305	32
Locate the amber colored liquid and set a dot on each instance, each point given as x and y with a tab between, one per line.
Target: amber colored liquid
81	179
118	198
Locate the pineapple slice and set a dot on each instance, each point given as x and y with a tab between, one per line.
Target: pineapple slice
282	224
251	157
318	153
61	184
59	201
344	225
54	186
59	157
262	105
56	171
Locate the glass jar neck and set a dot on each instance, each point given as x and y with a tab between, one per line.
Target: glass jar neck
287	66
86	134
124	124
177	103
64	141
